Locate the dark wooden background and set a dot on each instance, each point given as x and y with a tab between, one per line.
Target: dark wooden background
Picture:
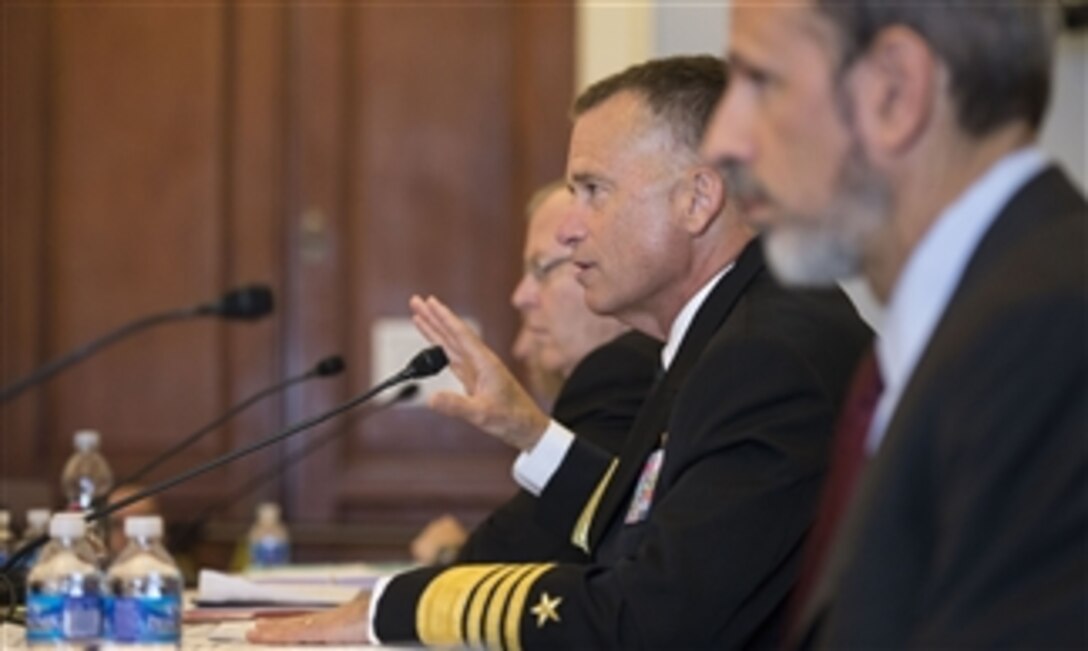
348	153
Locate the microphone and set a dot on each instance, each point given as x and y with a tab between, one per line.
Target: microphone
189	534
424	364
246	303
327	367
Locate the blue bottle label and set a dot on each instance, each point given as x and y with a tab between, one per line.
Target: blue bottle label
268	552
57	618
146	620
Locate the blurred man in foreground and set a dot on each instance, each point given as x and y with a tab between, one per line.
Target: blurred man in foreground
692	530
896	140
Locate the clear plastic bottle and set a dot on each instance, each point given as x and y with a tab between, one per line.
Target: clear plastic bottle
6	538
143	602
86	477
64	589
269	544
87	480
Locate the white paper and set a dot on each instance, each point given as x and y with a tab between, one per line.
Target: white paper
219	588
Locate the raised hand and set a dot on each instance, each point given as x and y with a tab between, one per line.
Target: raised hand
346	624
493	399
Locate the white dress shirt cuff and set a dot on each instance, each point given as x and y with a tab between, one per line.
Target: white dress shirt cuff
372	613
534	468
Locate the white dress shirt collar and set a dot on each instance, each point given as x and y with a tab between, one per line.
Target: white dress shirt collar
933	272
682	322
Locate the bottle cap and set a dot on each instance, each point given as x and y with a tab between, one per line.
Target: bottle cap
86	440
268	512
5	518
143	526
67	525
37	518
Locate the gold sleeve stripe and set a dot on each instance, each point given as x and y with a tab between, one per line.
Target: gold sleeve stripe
500	602
440	609
472	624
515	613
580	535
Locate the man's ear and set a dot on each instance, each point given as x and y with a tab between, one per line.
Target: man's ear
895	86
703	200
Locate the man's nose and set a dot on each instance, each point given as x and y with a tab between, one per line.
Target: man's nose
524	296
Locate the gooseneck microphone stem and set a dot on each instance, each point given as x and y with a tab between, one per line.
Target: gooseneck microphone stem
245	303
197	435
50	369
155	489
253	484
424	364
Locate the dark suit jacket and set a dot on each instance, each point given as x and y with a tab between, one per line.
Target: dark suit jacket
970	528
598	402
747	406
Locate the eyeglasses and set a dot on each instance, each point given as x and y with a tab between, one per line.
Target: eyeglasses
541	269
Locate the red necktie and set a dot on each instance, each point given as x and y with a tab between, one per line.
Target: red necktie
848	458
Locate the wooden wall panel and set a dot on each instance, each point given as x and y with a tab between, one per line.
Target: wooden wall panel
254	127
135	221
23	200
349	154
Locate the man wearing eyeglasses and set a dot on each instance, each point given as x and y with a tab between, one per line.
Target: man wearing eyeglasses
606	370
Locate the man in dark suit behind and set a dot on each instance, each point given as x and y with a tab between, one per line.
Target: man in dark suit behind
692	531
895	140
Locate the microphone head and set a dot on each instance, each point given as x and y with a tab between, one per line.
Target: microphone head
333	365
249	303
426	363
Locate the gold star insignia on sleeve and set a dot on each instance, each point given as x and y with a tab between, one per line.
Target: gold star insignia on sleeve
546	610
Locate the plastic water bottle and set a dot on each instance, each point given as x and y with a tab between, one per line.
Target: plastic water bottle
87	476
269	544
6	539
86	480
144	586
63	594
37	524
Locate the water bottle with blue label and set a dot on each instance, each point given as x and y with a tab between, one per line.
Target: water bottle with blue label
63	589
269	545
144	586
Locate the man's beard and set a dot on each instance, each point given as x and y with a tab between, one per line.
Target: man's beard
819	249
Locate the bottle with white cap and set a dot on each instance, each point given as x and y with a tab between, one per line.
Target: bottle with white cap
144	586
86	477
269	544
87	480
6	538
63	589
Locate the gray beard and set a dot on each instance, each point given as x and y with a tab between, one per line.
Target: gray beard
818	251
803	257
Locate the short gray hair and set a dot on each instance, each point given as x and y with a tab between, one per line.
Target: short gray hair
681	90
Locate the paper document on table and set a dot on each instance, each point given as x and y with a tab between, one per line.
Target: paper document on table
358	575
219	588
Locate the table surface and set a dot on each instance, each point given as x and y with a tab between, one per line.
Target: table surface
222	637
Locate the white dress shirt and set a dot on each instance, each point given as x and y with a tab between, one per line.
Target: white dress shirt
534	468
932	274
